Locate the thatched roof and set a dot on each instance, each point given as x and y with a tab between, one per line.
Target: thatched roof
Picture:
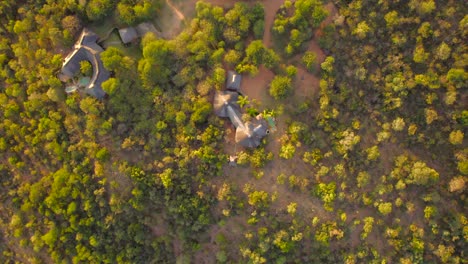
128	34
233	81
87	37
251	133
235	115
248	134
224	99
86	49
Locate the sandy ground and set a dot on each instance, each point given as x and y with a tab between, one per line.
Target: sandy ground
256	88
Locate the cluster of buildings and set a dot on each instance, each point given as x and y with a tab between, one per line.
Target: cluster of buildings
249	133
130	34
88	49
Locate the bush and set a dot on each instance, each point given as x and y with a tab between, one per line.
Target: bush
326	192
103	154
456	137
287	151
309	59
385	208
280	87
258	29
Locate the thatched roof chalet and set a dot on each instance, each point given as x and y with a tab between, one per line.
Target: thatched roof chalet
233	81
248	134
128	34
224	100
252	132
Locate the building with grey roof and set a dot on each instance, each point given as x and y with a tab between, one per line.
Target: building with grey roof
233	81
252	132
128	34
223	100
86	49
248	134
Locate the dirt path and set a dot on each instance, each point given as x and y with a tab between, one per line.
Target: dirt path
332	14
271	7
170	21
176	10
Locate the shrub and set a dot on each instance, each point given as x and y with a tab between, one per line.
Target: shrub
280	87
309	59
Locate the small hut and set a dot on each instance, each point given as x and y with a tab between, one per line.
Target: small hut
128	35
233	81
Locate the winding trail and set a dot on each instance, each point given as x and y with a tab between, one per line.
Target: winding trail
271	7
176	11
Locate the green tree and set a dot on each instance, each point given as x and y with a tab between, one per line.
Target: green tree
327	65
363	179
421	174
232	57
361	29
243	101
373	153
287	151
456	137
385	208
258	199
443	51
420	55
392	19
309	60
86	68
326	192
72	24
280	87
458	77
111	85
98	9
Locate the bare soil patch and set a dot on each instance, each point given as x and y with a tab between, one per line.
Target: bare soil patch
256	87
315	48
307	84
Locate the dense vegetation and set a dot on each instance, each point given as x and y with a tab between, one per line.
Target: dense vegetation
371	170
